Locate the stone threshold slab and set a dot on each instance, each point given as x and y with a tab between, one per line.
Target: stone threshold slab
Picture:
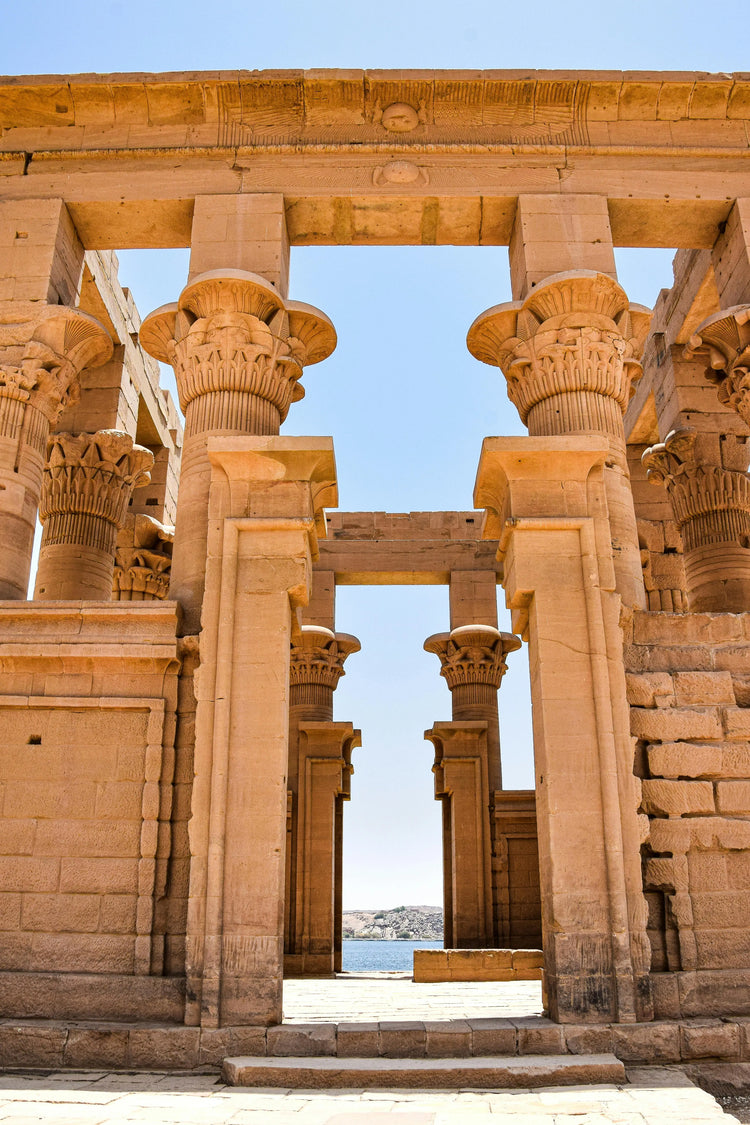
486	1073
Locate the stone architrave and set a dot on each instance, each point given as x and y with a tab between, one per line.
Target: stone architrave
41	359
318	777
570	353
545	502
143	560
711	506
238	349
266	511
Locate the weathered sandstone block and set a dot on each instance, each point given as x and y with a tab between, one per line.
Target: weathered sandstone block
677	798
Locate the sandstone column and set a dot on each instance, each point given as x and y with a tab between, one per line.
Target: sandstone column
237	346
546	504
706	472
88	482
39	371
467	773
266	510
319	771
473	663
570	352
711	505
44	345
238	350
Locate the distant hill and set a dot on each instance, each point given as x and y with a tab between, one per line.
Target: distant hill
413	923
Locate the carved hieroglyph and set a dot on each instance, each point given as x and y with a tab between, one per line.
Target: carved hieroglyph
570	353
724	340
143	560
88	482
711	505
40	361
238	350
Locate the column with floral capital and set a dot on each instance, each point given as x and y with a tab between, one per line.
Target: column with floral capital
570	353
41	358
711	506
88	482
238	349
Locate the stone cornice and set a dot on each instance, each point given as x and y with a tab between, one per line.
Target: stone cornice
246	108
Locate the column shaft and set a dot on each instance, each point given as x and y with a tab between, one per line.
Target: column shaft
237	348
570	352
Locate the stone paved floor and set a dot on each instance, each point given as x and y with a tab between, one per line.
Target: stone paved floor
662	1096
368	997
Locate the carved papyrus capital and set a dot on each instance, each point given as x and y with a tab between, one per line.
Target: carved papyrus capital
570	352
317	664
710	504
143	560
723	340
40	361
87	485
473	660
237	349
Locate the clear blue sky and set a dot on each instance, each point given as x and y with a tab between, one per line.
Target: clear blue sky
401	316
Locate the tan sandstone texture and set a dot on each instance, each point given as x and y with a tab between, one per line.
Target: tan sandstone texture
172	776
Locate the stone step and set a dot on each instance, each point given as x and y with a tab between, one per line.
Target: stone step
380	1073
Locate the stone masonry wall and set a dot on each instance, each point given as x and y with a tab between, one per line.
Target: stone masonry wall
689	691
87	705
76	833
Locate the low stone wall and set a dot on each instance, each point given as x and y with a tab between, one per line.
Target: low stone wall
91	1045
88	693
689	690
432	965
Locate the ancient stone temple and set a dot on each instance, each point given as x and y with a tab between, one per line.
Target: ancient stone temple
173	778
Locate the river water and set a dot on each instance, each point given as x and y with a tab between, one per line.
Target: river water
383	956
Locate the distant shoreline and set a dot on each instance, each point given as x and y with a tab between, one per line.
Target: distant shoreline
367	937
